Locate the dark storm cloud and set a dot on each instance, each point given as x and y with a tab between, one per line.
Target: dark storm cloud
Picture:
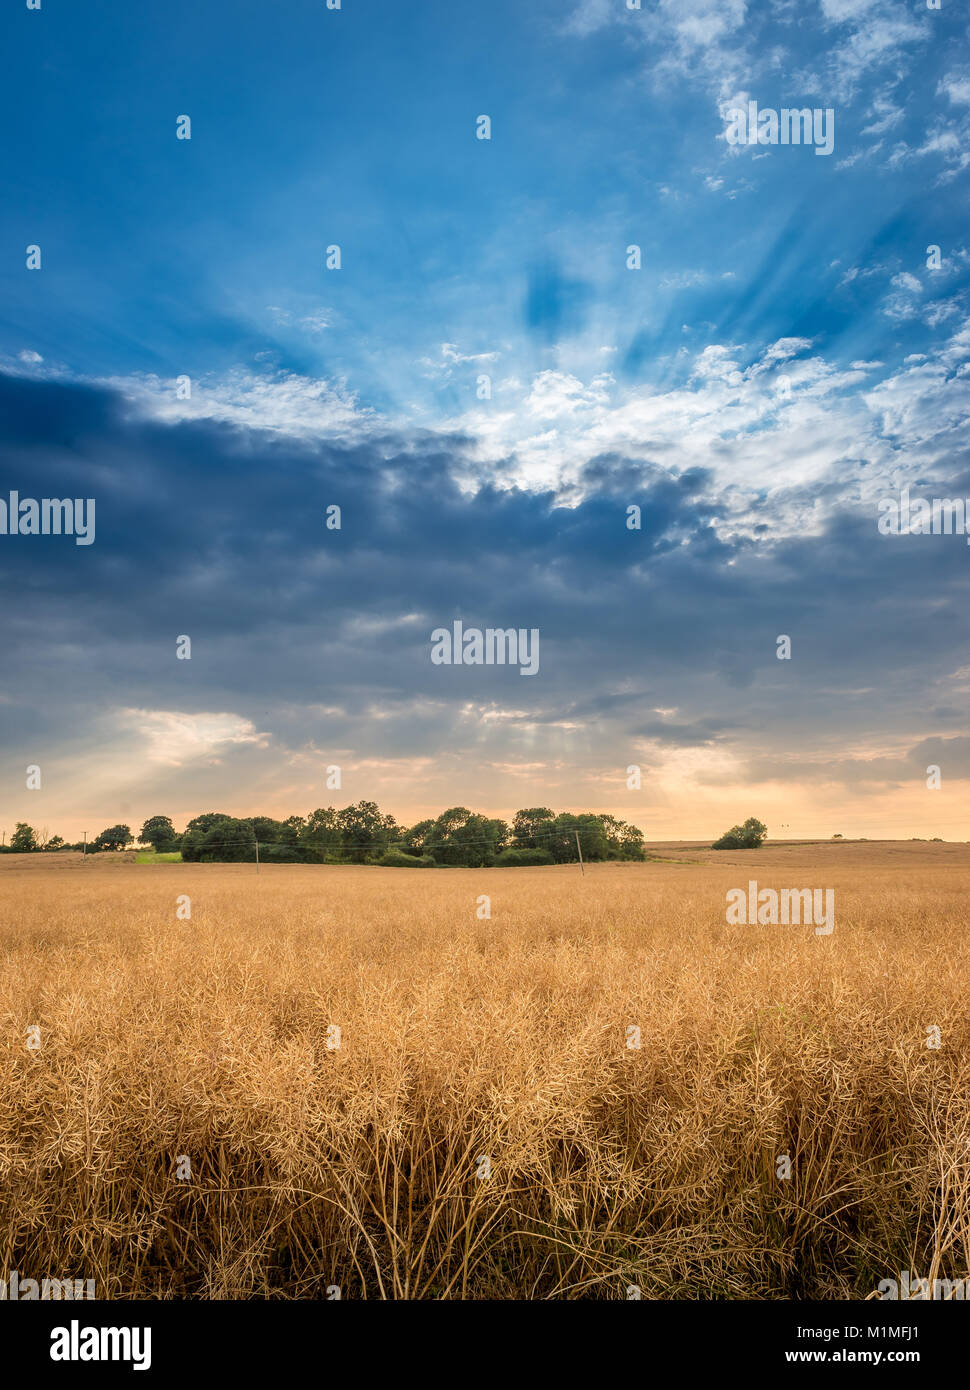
950	755
218	531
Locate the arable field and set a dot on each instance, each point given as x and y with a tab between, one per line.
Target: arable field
181	1123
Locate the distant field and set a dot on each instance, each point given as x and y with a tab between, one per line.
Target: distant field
465	1039
872	854
149	857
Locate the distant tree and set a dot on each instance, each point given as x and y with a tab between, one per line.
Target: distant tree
54	843
24	840
229	841
189	845
115	837
631	840
159	832
462	838
755	832
750	835
600	837
320	836
561	842
623	841
207	820
530	828
281	853
266	830
613	832
364	831
363	834
836	837
279	832
413	841
497	836
190	841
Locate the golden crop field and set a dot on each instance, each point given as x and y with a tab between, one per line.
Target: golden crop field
178	1119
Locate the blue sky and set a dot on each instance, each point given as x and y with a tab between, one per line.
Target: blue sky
783	358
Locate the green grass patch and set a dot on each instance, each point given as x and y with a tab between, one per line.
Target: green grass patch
148	856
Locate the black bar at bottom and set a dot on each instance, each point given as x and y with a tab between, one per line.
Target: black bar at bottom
253	1337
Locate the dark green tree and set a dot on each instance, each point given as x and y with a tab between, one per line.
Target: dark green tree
115	837
530	829
207	820
462	838
320	837
413	841
364	831
24	840
159	832
623	841
229	841
267	830
291	830
750	835
189	844
562	841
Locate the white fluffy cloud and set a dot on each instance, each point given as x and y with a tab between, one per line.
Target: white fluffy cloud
177	738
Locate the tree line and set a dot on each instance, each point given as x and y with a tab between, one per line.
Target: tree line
363	834
26	840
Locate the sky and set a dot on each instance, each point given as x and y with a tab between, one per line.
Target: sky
485	387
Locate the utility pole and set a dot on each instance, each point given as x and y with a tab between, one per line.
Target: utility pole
256	842
85	849
579	851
